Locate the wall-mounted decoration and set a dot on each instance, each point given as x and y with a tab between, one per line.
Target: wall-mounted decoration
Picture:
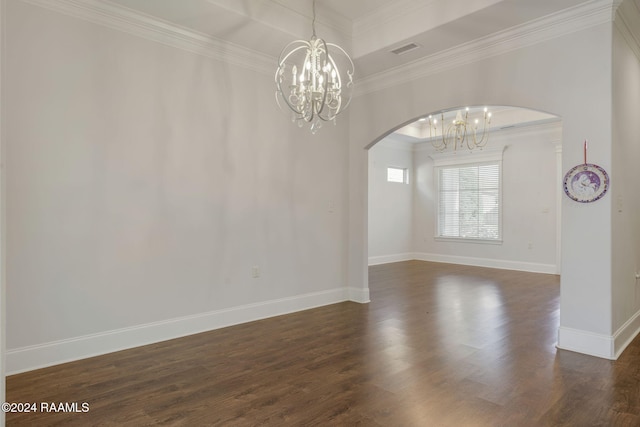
587	182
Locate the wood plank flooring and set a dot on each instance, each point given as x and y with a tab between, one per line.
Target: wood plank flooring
439	345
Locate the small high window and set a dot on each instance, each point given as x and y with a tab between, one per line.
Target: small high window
397	175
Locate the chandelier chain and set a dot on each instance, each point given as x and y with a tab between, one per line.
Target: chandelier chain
313	21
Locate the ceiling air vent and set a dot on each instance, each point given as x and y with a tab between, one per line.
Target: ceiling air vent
404	49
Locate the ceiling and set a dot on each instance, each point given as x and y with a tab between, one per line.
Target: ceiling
367	29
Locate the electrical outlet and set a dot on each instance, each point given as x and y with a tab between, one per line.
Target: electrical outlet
255	271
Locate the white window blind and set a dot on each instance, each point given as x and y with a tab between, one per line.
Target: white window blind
469	201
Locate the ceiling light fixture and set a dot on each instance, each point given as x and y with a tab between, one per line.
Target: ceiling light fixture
311	83
460	132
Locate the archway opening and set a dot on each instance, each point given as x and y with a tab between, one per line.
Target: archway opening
412	214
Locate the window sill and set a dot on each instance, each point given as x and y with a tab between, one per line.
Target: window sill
463	240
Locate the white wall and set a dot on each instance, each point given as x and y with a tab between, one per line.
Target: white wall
626	182
529	200
143	184
549	76
390	203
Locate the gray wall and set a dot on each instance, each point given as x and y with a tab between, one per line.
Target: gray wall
144	183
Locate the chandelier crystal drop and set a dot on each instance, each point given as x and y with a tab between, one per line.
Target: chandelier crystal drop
459	133
314	79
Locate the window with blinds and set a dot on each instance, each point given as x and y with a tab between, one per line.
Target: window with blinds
469	201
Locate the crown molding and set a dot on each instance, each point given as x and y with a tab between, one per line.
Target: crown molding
627	21
110	15
114	16
556	25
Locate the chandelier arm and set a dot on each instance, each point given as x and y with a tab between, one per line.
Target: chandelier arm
464	139
475	140
442	131
325	81
350	71
329	116
280	71
307	113
472	142
451	136
437	143
304	44
483	140
433	129
464	127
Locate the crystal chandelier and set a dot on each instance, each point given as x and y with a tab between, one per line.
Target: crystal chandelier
460	132
311	83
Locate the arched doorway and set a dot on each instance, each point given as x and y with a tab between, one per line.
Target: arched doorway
516	227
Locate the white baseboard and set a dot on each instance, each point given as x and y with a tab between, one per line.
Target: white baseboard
586	342
599	345
53	353
490	263
360	295
386	259
626	334
462	260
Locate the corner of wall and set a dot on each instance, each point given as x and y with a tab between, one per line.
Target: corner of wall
627	332
599	345
359	295
586	342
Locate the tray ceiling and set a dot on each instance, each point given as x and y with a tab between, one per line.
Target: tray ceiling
368	29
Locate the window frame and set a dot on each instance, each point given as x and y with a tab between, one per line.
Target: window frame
446	161
405	175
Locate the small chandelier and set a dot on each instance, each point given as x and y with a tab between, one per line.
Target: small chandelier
460	132
310	82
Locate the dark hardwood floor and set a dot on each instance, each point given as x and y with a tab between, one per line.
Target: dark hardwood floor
439	345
